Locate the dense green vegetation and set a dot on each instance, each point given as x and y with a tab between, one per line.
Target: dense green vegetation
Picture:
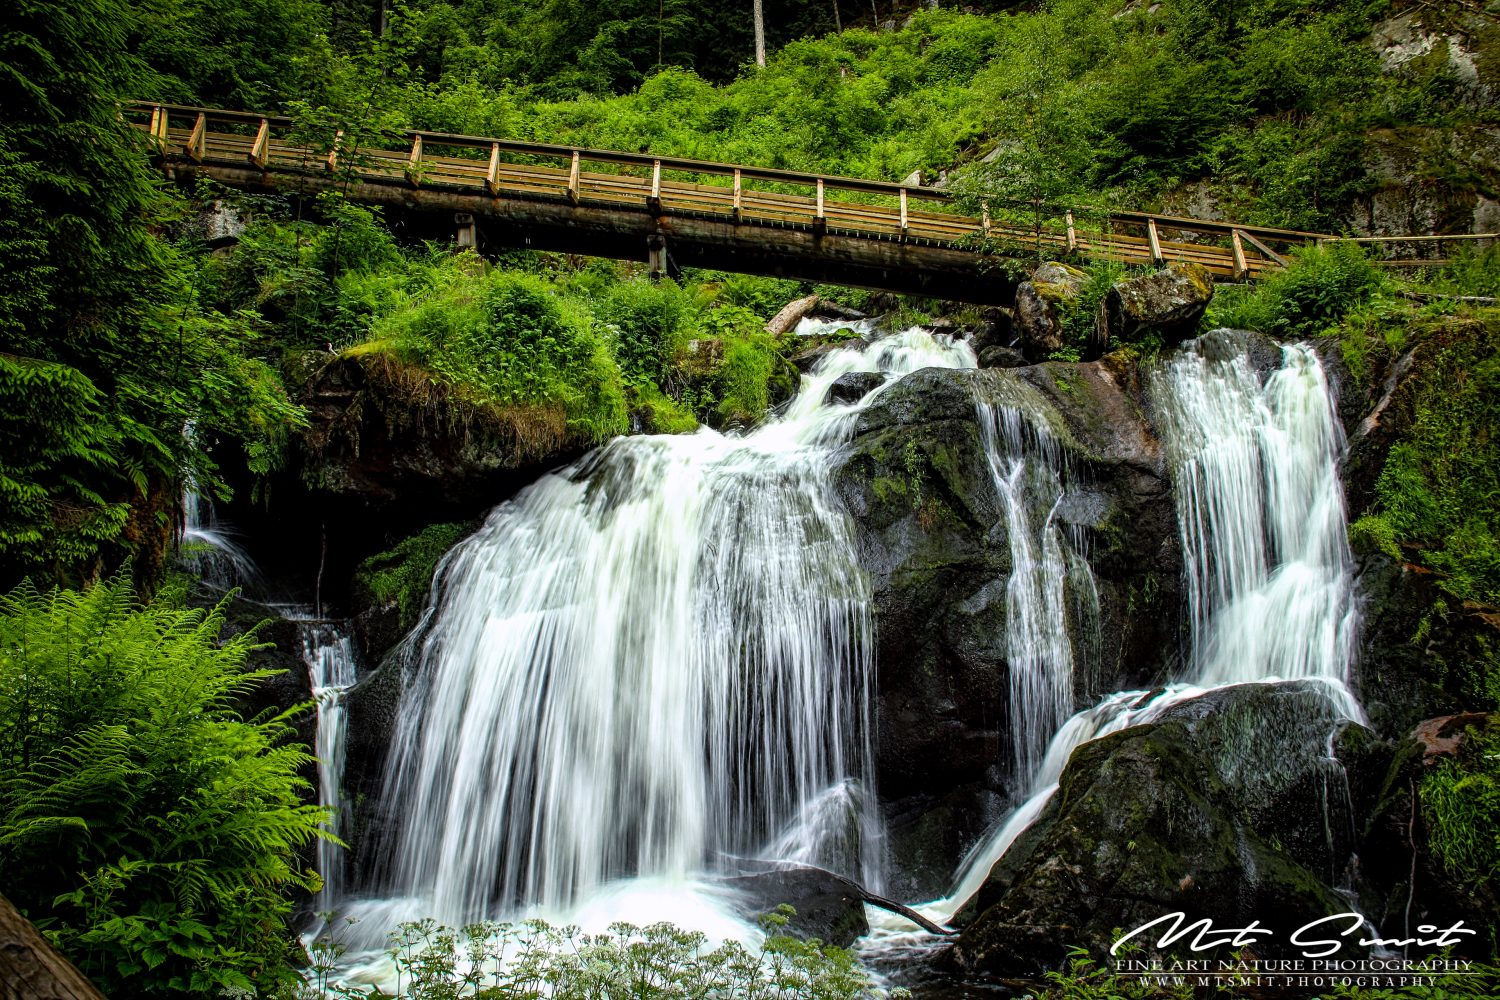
1461	800
147	827
105	356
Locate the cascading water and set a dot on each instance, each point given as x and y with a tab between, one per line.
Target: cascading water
328	651
210	549
1262	523
645	665
1026	467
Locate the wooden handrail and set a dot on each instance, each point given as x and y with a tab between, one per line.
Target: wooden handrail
750	172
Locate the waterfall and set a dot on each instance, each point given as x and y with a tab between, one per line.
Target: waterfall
328	651
647	664
1261	516
209	549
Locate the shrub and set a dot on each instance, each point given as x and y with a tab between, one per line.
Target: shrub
513	340
1321	285
146	827
535	959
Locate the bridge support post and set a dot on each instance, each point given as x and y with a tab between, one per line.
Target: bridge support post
656	255
467	235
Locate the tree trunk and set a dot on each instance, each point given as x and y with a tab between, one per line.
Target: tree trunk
760	33
31	969
838	22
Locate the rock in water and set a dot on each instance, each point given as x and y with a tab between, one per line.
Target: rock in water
1227	807
1170	303
853	387
1041	307
828	907
1001	357
916	479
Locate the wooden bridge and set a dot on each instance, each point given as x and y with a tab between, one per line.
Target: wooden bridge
681	212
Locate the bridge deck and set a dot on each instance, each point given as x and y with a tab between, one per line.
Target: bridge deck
736	217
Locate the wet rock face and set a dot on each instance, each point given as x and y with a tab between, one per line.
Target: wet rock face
1401	883
1170	303
372	443
1227	808
1039	316
932	535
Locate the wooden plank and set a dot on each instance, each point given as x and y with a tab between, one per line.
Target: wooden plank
414	163
257	154
1155	238
31	969
1257	244
573	179
1241	269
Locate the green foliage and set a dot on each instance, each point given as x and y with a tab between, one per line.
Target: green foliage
511	340
1479	984
1320	287
144	825
1085	979
105	352
1461	808
230	53
1438	495
534	959
402	575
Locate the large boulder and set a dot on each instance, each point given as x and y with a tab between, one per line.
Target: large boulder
1226	807
933	537
1040	315
1169	304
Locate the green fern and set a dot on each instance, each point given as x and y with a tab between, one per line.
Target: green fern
153	830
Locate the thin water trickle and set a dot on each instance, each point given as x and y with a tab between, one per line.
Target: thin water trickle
328	651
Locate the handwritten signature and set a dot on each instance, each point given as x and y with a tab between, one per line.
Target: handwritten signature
1205	935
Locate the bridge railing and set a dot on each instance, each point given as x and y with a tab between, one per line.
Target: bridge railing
744	193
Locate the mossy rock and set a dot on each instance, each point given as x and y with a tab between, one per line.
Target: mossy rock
1216	810
933	537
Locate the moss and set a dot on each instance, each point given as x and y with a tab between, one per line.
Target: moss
403	574
1438	495
659	413
1461	808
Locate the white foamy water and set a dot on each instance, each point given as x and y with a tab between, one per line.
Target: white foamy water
640	668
